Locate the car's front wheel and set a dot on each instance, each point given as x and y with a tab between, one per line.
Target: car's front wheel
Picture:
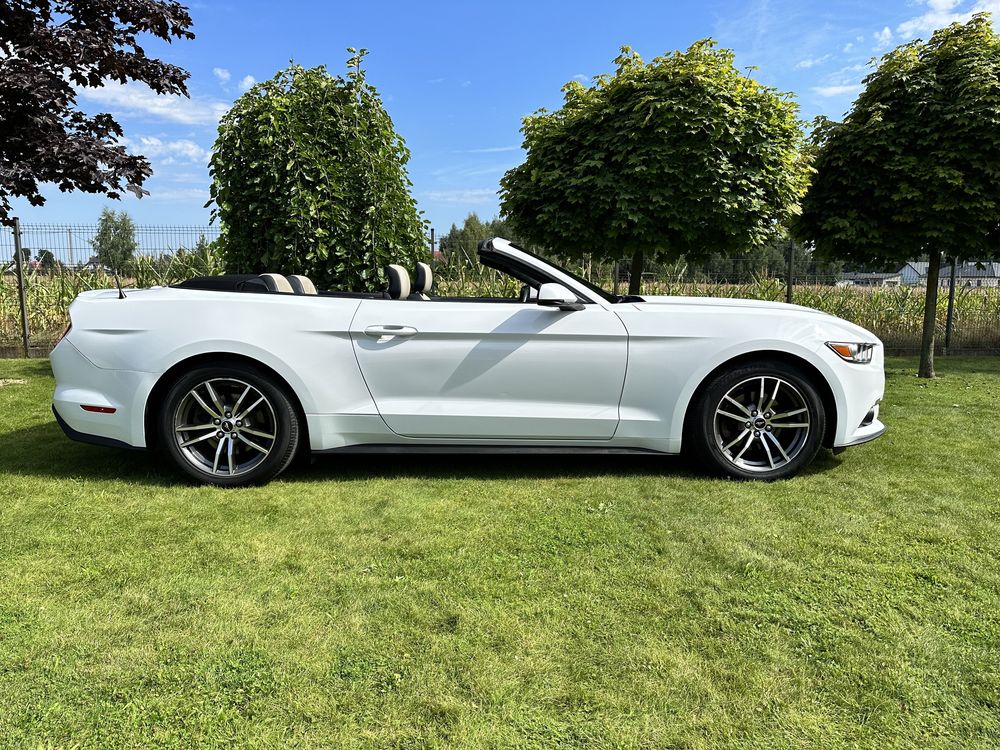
761	420
229	425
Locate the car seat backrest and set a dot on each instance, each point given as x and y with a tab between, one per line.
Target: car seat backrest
423	280
399	282
302	285
275	282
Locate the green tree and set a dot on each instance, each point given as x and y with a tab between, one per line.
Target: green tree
114	243
465	239
309	176
914	167
49	50
47	261
683	156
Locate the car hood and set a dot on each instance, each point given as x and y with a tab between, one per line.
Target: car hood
838	326
758	304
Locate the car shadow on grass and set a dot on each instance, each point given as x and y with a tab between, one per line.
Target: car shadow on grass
42	450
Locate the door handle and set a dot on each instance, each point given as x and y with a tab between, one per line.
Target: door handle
389	331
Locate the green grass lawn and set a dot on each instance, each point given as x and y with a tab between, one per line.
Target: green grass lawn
495	602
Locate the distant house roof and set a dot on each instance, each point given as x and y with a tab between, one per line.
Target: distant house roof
870	276
976	269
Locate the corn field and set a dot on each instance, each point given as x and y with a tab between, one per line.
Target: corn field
895	314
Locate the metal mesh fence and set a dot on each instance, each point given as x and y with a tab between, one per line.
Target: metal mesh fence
63	260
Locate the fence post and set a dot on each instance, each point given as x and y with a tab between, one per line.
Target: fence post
19	270
790	272
951	307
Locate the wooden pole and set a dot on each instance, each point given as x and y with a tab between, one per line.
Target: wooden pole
19	269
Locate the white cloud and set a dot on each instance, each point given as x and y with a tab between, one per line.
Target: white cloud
247	82
435	80
138	98
941	13
581	77
168	152
811	62
841	90
466	84
222	74
883	38
848	47
483	195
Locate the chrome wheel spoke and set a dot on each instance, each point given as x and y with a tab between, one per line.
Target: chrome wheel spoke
737	403
789	414
195	427
206	407
774	396
252	444
737	417
247	411
739	455
767	450
789	424
218	455
186	443
236	406
777	444
215	398
258	433
229	455
735	440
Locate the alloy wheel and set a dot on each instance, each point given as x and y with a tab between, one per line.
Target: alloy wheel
762	424
225	427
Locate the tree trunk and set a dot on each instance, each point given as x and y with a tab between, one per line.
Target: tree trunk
930	316
635	273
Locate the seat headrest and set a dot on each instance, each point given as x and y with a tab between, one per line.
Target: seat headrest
399	282
275	282
302	285
424	279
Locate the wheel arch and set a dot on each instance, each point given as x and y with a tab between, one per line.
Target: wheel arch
816	377
158	393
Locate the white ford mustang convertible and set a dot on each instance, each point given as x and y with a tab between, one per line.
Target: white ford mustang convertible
232	376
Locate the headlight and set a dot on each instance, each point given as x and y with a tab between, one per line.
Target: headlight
859	353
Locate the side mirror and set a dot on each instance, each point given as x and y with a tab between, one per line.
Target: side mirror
556	295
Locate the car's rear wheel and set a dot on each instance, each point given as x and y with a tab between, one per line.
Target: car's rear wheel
229	425
762	420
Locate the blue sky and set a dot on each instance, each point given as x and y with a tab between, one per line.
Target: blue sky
458	77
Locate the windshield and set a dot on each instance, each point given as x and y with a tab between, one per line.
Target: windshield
612	298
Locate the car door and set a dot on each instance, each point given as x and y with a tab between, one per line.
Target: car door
492	370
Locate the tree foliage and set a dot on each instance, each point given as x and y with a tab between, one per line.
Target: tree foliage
47	50
914	167
114	242
465	239
684	156
309	176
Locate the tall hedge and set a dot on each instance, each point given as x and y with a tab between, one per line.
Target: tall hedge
309	176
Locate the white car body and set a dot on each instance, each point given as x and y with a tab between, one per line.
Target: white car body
385	374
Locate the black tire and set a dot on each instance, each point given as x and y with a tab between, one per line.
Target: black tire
238	458
769	450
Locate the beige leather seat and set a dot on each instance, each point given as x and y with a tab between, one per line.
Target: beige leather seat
422	282
399	282
302	285
275	282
